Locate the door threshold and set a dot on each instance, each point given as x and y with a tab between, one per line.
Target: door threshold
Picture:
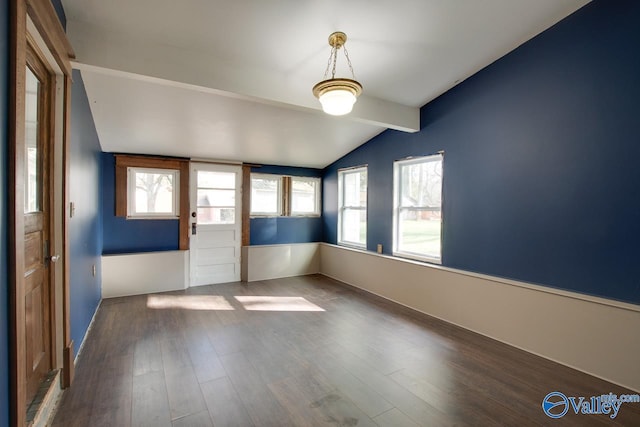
43	404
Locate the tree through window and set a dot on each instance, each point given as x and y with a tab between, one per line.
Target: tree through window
152	193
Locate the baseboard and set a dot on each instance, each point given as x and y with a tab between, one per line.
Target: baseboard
86	334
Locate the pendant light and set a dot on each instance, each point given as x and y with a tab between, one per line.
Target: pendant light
337	95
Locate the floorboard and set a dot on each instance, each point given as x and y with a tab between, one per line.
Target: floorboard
309	352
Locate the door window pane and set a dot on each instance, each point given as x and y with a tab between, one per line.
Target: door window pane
216	197
207	215
32	166
207	179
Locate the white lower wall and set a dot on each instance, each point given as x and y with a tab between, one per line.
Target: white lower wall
275	261
144	273
595	335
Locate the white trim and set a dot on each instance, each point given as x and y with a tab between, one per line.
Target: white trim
416	257
342	208
317	202
506	281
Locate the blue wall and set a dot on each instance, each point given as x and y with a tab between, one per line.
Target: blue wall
282	230
85	230
121	235
541	160
4	211
57	5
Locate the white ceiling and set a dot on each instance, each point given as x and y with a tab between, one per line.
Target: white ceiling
231	80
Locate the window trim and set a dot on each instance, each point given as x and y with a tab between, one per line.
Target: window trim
341	209
317	202
131	190
397	208
124	161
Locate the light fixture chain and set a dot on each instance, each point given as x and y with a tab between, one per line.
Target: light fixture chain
335	60
346	54
331	56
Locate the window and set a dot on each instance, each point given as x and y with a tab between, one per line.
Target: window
418	208
129	206
278	195
216	197
305	196
152	193
352	202
266	195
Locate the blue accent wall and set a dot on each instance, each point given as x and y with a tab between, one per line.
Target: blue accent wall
57	5
85	230
284	230
541	175
121	235
4	214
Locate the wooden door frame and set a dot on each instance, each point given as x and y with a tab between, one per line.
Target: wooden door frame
42	14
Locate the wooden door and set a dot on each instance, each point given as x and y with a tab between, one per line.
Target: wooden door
37	210
216	218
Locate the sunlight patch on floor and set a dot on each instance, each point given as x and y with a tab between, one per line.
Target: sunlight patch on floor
189	302
271	303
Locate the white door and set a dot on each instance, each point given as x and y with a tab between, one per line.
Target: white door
215	223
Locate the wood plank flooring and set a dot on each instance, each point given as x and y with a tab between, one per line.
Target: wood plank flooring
313	353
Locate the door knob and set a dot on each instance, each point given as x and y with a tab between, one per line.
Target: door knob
54	258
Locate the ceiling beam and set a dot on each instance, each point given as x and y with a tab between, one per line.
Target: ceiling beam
111	52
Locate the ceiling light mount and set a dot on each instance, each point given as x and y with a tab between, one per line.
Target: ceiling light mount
337	95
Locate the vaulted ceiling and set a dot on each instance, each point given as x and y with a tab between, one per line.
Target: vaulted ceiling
231	80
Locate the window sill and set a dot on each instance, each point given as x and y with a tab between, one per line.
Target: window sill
353	245
415	257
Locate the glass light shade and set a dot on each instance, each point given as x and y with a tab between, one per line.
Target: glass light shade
337	102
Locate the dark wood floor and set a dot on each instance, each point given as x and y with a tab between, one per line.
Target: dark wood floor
207	356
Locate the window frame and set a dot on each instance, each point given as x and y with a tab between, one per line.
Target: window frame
279	195
317	202
285	196
131	190
342	173
398	208
124	161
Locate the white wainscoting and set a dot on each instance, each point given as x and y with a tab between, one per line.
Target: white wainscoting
144	273
594	335
266	262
